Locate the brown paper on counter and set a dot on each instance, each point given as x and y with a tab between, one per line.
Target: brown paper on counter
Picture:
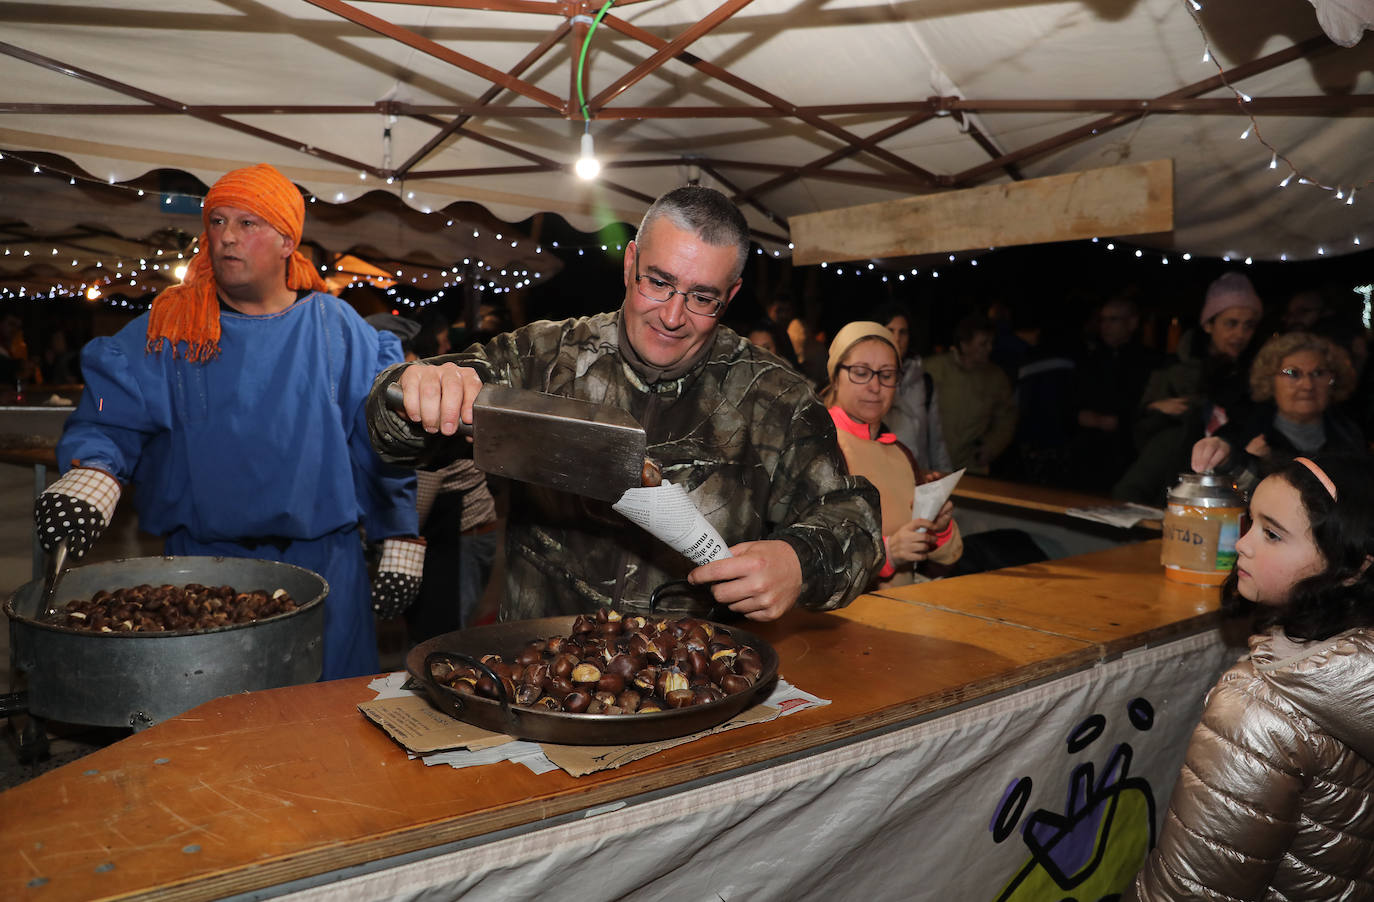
421	728
580	760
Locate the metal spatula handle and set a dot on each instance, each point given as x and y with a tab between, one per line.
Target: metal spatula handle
396	400
567	444
57	567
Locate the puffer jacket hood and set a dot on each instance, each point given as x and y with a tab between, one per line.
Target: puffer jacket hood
1328	681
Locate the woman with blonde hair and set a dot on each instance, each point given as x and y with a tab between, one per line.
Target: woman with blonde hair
864	374
1296	381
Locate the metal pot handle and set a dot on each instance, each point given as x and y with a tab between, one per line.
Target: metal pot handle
717	612
501	698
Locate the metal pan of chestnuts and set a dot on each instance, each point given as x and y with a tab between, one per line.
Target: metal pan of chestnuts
596	679
131	648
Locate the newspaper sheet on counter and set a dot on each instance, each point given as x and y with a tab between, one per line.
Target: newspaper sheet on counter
1122	515
435	738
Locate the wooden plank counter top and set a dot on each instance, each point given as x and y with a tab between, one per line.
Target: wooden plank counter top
1117	598
1041	498
254	790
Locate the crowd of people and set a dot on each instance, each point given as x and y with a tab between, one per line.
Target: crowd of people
1093	408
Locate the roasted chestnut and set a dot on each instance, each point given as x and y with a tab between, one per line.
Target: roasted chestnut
586	674
735	682
646	679
670	679
563	665
611	682
559	687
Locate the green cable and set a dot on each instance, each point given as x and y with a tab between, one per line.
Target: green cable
582	57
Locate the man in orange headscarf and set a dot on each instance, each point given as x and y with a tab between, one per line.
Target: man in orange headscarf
236	405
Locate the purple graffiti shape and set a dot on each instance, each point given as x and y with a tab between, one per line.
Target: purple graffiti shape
1065	845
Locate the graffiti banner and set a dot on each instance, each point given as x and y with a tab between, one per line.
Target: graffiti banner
1053	793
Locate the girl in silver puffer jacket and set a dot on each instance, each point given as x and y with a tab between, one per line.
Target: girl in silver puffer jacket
1276	796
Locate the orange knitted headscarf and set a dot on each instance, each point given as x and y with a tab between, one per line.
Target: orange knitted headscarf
189	312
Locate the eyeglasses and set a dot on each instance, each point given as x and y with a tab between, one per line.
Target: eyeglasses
1318	375
655	289
862	375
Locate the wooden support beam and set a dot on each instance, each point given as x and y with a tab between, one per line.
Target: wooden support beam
1121	200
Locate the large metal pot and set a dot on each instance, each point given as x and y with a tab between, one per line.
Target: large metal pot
541	725
138	679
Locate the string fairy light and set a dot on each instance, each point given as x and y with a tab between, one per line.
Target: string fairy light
1243	100
518	273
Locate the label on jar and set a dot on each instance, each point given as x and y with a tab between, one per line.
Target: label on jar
1202	539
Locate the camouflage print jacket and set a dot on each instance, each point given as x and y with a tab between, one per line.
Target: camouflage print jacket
742	433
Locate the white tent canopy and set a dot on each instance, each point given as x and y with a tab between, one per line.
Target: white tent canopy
792	106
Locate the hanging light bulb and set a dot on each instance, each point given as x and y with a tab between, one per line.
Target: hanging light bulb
587	166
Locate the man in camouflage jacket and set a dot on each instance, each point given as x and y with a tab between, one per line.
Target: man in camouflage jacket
734	426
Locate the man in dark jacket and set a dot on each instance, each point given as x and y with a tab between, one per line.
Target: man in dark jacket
740	431
1111	378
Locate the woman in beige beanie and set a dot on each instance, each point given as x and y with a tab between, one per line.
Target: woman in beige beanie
864	373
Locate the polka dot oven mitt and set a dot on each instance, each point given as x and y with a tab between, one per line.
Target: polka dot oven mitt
78	507
398	576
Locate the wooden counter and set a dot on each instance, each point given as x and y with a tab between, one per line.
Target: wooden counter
1044	498
255	790
982	505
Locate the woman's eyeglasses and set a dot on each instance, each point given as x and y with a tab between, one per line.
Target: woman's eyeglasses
861	375
1318	376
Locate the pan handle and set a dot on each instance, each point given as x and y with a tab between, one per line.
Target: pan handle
501	698
718	611
396	401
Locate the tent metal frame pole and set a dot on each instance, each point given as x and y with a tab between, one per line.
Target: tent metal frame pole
668	51
438	51
544	46
1246	70
1297	105
172	105
769	98
816	166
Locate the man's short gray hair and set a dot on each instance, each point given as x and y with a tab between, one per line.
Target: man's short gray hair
705	211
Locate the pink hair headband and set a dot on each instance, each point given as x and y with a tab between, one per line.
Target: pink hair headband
1320	474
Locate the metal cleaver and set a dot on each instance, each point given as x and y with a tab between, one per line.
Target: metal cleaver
562	443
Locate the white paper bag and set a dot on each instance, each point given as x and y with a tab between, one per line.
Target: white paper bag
931	496
668	513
